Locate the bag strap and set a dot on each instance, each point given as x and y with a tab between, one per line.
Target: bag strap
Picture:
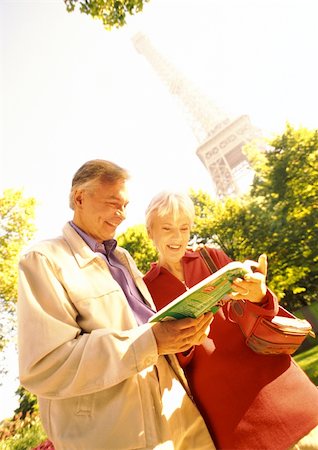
208	260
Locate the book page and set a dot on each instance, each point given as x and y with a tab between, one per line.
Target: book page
204	296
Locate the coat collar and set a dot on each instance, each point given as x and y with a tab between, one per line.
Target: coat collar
81	250
156	269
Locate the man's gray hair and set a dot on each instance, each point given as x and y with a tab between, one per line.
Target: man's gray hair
96	169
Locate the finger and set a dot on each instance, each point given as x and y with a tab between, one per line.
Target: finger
262	262
240	285
198	327
250	264
190	322
198	337
236	296
202	339
259	266
256	277
205	325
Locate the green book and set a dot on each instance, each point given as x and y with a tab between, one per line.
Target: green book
204	296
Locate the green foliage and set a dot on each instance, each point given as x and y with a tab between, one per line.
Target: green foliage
16	229
136	241
279	217
308	361
288	187
24	430
27	402
228	224
112	13
21	433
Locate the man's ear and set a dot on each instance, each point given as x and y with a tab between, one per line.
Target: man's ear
78	198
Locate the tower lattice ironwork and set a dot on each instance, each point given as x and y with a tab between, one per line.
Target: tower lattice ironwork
220	137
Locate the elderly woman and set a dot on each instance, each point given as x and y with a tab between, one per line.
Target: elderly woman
249	401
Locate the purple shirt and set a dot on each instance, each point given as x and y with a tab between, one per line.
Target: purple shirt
141	310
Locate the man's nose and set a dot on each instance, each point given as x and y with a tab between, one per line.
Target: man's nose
121	212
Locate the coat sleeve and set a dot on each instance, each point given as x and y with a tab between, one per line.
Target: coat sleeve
57	359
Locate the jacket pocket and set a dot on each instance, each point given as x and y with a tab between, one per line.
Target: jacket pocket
84	405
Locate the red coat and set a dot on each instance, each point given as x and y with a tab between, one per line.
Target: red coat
249	401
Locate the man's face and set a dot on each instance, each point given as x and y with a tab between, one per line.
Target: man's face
100	209
171	236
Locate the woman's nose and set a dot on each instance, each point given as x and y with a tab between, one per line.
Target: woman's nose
176	234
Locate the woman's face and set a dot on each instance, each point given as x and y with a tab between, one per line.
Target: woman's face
171	236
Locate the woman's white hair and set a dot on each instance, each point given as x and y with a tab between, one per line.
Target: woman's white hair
169	202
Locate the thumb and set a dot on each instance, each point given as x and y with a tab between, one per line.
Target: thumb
262	264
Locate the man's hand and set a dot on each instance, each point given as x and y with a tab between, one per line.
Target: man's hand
174	336
253	286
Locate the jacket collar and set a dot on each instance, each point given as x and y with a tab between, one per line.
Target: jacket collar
81	250
106	247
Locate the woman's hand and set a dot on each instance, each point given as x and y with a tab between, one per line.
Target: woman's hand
253	286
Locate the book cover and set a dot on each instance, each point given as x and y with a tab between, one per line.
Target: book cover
204	296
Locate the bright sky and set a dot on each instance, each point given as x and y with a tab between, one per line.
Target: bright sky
71	91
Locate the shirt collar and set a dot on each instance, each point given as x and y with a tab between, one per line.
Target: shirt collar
109	246
102	247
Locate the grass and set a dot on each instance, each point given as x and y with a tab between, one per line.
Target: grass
308	361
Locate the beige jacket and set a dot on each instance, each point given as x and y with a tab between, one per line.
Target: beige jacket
97	375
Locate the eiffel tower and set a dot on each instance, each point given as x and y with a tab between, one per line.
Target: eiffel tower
220	138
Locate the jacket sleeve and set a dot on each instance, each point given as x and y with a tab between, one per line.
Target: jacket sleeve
267	308
57	359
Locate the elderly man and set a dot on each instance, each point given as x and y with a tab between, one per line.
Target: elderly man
105	378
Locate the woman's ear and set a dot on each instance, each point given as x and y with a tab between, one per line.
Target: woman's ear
149	233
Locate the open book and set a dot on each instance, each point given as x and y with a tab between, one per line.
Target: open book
204	296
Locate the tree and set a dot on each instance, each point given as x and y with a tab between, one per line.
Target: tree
136	241
27	402
279	217
288	187
225	224
16	229
112	13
